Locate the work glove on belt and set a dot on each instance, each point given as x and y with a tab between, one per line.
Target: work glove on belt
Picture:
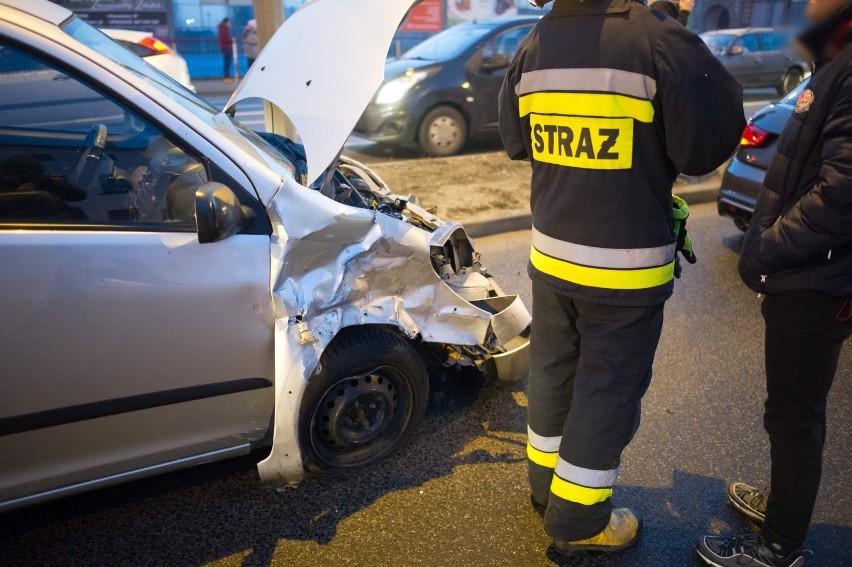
684	242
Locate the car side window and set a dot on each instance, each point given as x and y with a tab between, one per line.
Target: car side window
507	43
748	42
772	41
72	156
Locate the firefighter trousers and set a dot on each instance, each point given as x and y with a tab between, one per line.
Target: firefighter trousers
590	366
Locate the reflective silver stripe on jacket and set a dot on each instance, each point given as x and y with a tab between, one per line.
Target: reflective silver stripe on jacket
613	258
585	477
543	444
588	80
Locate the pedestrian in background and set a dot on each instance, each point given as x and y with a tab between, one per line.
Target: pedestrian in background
679	10
226	46
609	102
798	253
251	47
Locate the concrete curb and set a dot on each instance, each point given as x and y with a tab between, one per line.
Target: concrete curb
694	194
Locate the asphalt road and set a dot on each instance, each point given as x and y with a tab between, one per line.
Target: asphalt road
250	113
457	496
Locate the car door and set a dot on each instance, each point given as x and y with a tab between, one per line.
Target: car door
745	61
487	69
126	345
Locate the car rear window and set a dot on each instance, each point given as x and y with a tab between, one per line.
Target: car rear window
717	43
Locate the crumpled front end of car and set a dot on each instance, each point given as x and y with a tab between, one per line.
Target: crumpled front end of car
351	253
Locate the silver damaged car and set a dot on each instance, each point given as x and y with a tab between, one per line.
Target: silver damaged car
178	289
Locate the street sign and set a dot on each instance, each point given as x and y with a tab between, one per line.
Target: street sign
427	16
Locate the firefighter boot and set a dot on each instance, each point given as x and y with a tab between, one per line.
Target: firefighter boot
624	530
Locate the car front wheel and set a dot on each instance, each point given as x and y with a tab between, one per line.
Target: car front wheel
791	80
365	403
443	132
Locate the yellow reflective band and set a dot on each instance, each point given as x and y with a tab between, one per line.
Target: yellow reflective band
585	143
547	460
602	277
579	494
587	104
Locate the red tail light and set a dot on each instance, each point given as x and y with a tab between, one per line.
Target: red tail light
155	44
754	137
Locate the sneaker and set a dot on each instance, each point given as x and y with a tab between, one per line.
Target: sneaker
748	500
228	80
624	530
744	551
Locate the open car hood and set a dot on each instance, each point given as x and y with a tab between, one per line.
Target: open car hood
322	68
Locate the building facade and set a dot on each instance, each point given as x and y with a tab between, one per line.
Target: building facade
721	14
190	25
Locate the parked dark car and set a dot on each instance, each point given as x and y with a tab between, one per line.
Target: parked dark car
743	178
758	57
443	92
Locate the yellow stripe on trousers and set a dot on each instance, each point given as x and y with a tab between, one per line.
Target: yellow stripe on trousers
547	460
603	105
602	277
579	494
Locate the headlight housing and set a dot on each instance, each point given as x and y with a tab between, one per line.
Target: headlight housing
395	90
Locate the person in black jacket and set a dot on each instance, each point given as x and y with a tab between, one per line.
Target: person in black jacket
798	253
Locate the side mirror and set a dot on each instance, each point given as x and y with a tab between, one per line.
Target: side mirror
738	50
218	213
495	62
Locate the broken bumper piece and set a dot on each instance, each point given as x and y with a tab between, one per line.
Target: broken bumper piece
502	351
510	325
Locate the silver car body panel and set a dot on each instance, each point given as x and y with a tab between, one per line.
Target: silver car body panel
132	474
101	323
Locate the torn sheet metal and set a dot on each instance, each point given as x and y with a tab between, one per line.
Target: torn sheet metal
322	68
337	266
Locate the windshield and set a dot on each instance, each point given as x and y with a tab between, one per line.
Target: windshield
448	44
717	43
166	86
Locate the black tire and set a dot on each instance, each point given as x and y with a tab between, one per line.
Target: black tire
365	403
791	80
443	132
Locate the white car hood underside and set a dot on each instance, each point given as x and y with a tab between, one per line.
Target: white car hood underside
322	68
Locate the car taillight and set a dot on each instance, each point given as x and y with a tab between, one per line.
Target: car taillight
754	137
155	44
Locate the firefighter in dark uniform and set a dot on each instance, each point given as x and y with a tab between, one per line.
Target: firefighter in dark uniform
609	101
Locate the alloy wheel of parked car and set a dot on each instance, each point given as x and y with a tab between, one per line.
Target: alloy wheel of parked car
443	132
365	403
791	80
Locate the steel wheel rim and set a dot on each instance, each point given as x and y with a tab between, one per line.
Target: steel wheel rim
793	80
360	418
444	132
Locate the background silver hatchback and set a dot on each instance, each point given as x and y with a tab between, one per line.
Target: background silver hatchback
759	57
